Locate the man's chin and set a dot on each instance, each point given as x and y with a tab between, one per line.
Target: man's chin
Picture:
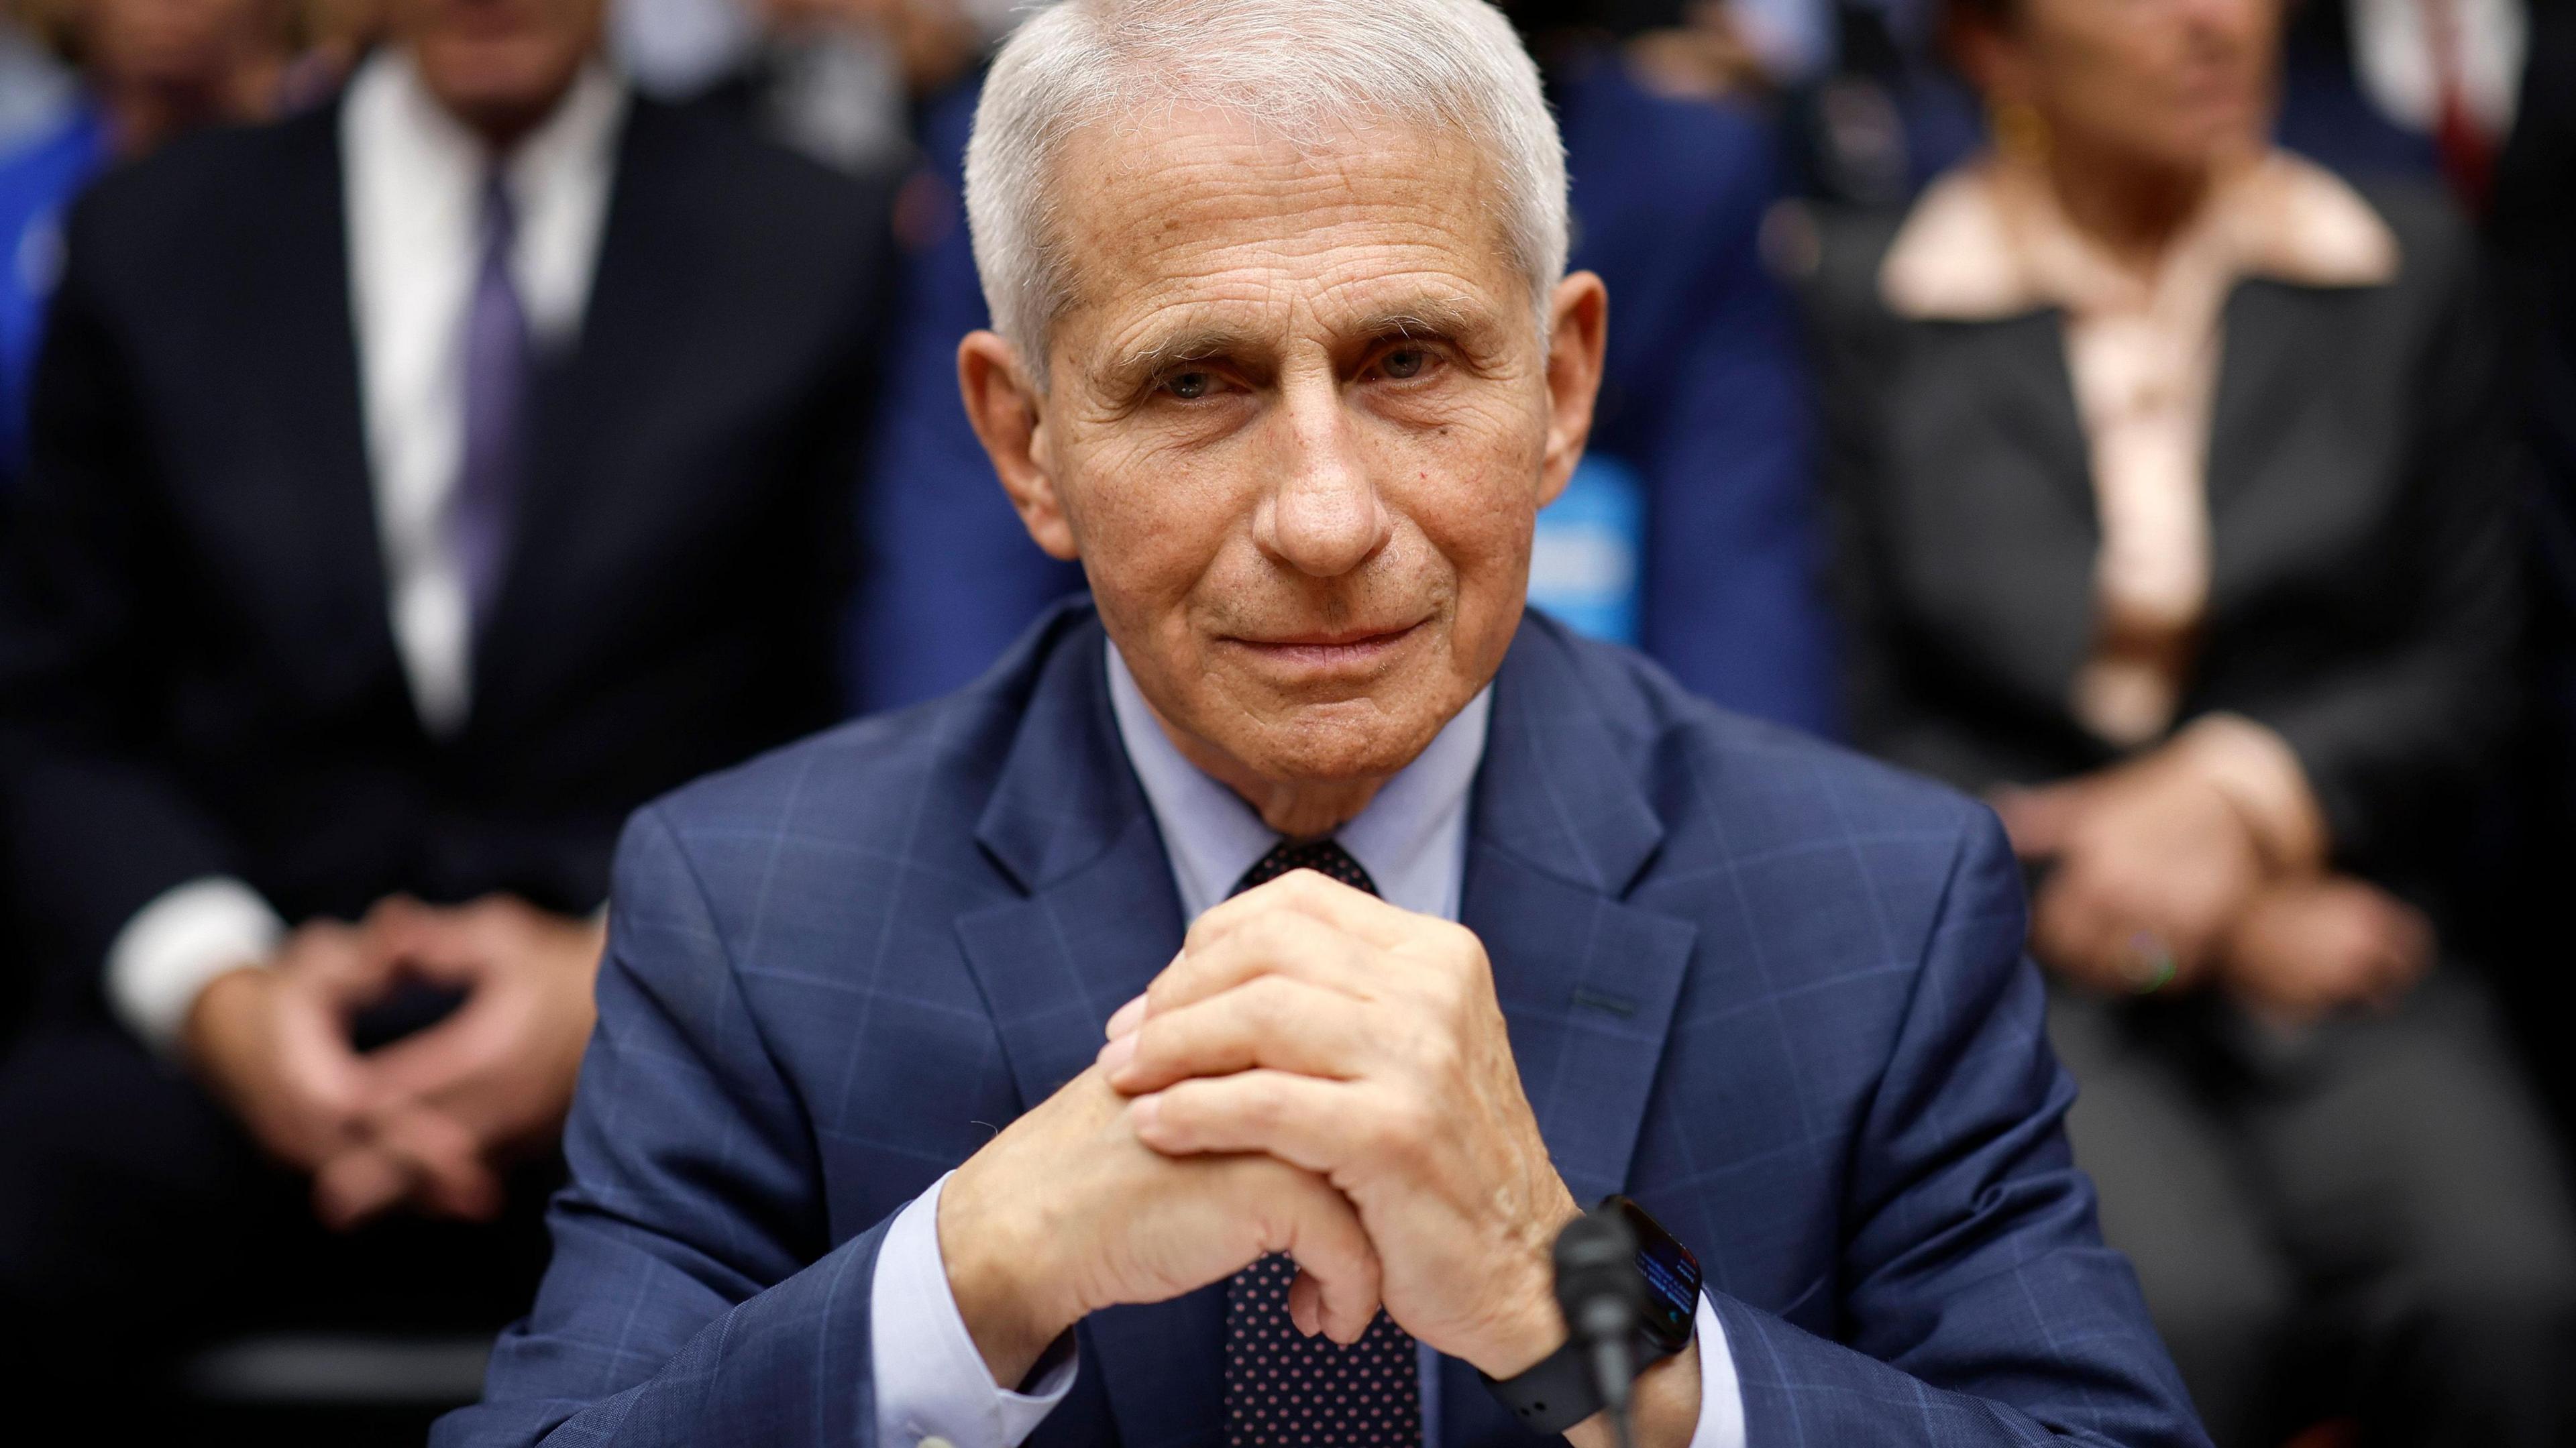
1335	740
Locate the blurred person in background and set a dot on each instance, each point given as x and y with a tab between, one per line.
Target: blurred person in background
417	486
836	78
34	83
2421	87
2180	495
1691	529
150	69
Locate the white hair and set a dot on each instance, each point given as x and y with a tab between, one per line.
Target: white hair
1294	68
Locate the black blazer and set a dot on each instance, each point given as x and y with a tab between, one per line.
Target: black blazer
2363	584
197	672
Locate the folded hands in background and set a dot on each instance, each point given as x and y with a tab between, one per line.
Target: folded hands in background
2166	872
430	1120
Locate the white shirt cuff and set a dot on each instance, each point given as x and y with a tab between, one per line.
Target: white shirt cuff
1721	1397
931	1381
179	943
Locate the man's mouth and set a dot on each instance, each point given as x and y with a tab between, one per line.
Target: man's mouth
1329	650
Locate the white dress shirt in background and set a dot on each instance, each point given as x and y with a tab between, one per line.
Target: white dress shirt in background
1412	840
413	179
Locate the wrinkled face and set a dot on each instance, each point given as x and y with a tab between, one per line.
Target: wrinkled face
499	65
2176	82
1299	421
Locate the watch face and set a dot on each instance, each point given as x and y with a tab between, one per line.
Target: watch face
1672	1280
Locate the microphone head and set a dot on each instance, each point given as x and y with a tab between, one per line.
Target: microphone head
1598	1285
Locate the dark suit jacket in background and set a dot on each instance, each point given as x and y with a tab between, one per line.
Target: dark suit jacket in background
197	673
2363	588
1773	990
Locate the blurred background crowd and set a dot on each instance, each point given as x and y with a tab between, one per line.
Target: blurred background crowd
431	428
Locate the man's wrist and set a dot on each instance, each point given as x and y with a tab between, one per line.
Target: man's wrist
216	1002
1664	1406
165	956
1534	1326
1004	1293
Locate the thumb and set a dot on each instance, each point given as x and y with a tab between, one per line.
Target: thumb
1339	1278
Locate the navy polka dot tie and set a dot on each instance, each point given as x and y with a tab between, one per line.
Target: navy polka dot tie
1282	1388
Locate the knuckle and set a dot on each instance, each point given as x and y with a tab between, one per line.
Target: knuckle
1265	1105
1269	1003
1440	1055
1397	1130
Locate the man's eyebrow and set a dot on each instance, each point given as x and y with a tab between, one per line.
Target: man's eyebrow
1427	317
1188	345
1416	317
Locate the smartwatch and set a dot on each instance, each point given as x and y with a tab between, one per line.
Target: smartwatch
1558	1393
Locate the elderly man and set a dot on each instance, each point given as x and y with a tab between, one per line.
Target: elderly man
914	1112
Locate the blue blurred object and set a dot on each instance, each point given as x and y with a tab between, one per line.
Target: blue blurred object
951	577
1704	393
1703	408
37	181
1586	561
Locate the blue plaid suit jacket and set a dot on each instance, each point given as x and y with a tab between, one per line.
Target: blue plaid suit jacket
1773	990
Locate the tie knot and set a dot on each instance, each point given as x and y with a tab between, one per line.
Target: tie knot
1325	857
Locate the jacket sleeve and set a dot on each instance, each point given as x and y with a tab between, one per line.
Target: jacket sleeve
2385	740
98	820
1980	1306
691	1299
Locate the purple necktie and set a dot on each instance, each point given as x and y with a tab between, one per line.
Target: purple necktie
1286	1390
496	385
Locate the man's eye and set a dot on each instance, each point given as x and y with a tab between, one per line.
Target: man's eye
1404	363
1190	386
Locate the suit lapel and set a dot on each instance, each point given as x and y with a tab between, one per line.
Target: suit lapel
323	578
1100	918
2264	373
2024	366
1990	486
2283	469
1560	830
592	414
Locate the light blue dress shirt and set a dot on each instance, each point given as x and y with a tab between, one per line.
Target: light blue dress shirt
1412	840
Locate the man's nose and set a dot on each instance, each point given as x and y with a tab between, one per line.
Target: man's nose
1324	518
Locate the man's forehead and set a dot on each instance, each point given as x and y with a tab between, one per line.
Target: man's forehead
1206	226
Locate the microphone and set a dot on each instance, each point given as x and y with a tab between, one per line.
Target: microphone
1603	1295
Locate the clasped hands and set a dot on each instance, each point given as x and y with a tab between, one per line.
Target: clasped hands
1317	1073
2160	883
430	1120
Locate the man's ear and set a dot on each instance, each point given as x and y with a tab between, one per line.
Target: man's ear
1002	403
1578	329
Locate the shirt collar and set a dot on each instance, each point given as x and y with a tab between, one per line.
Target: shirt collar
1988	241
578	133
1411	838
417	172
578	139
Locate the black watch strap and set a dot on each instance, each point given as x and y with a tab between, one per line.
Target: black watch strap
1553	1396
1557	1393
